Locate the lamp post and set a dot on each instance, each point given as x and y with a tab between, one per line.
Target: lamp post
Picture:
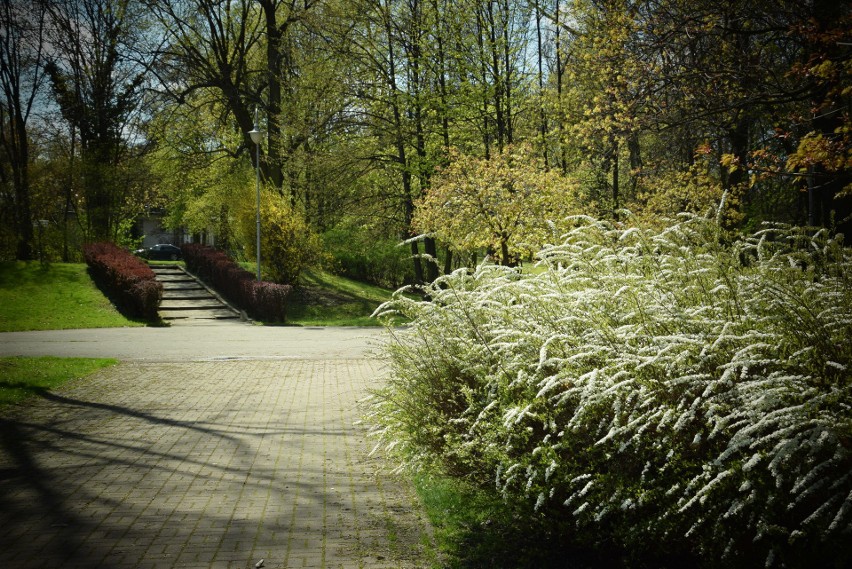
256	137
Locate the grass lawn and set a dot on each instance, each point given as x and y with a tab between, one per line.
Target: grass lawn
62	296
56	296
330	300
23	378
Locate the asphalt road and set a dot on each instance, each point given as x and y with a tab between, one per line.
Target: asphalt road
196	343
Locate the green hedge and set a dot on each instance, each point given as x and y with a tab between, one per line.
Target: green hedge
382	262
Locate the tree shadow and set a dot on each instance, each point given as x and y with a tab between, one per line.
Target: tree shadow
521	544
44	501
122	305
90	479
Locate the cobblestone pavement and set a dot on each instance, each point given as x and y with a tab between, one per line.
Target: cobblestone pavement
204	464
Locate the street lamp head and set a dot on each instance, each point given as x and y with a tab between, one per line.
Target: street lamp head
256	135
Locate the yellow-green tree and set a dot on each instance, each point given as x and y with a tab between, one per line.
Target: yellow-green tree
508	204
287	243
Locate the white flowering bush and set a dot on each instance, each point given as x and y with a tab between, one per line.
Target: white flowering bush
654	389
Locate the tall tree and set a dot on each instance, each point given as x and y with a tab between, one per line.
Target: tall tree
823	154
21	52
281	18
381	41
508	204
209	55
607	83
97	82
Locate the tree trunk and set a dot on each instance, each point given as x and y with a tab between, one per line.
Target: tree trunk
401	155
483	68
824	208
615	188
563	159
504	251
96	187
635	162
448	261
273	105
20	151
497	78
507	69
442	77
69	192
541	93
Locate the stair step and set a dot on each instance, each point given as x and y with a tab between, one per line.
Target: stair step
173	304
205	314
175	278
184	294
187	300
188	286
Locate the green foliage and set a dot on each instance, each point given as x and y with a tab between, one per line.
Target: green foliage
58	296
325	299
287	244
509	204
22	378
365	256
696	189
97	80
194	180
652	389
475	528
358	119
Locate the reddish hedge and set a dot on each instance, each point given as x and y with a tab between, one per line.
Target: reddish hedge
127	280
261	300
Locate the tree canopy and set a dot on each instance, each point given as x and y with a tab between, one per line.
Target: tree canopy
505	205
655	107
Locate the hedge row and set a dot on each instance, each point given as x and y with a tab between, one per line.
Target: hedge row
261	300
127	280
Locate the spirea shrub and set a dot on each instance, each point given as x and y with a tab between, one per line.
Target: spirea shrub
660	390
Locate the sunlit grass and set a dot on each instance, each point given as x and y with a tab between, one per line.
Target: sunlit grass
56	296
325	299
24	378
476	529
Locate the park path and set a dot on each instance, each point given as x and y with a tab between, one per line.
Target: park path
206	461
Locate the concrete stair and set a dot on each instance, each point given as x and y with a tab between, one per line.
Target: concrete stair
187	301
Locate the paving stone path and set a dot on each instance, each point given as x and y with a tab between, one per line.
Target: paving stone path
216	463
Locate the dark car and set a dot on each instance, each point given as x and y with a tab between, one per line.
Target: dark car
161	252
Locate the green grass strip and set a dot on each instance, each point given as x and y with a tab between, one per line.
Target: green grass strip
476	529
25	378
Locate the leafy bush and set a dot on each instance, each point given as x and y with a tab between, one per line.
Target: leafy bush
129	281
654	389
261	300
289	245
361	256
503	204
